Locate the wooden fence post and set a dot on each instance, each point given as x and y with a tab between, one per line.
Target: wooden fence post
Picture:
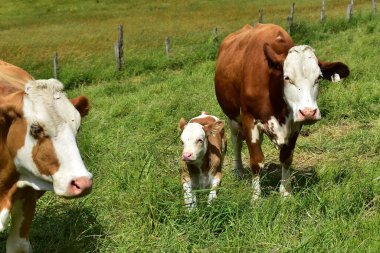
290	18
374	7
56	67
349	10
216	38
323	11
167	45
261	16
119	54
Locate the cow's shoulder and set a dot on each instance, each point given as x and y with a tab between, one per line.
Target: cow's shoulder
12	77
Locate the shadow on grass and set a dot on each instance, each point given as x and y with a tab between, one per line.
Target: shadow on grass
62	229
270	178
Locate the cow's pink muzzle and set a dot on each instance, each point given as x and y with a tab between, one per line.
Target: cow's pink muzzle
79	187
308	115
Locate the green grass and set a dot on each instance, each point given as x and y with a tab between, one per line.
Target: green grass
131	143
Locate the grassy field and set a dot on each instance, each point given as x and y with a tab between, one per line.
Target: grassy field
131	143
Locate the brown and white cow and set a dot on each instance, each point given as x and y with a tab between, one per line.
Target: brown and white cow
204	148
266	84
38	149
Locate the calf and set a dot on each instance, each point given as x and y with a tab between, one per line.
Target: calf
38	149
204	148
266	84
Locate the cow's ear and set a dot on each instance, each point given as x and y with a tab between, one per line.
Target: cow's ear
329	69
82	104
181	124
275	60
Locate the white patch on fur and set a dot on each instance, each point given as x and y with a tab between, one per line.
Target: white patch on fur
255	134
335	78
15	243
204	115
4	214
286	185
190	199
256	188
214	187
300	92
45	103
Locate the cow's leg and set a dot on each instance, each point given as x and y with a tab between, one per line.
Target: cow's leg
286	158
237	143
23	210
214	187
253	138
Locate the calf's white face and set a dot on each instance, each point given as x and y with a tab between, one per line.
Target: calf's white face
301	81
194	141
48	158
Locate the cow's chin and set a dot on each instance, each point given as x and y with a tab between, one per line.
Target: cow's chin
307	121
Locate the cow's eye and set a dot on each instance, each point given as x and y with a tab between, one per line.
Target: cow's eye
286	78
200	141
36	130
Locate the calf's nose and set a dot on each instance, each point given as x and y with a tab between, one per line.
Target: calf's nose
186	156
80	186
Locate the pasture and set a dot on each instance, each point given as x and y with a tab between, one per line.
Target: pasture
130	141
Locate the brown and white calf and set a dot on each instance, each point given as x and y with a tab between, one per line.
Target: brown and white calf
204	148
38	149
266	84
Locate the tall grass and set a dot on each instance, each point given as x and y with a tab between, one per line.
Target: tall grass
130	139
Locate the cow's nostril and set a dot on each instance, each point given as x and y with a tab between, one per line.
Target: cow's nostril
314	112
74	184
302	113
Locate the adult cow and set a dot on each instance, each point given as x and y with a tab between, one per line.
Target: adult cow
38	150
265	84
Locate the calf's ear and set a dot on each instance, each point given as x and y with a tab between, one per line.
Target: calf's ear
275	60
329	69
215	128
181	124
82	104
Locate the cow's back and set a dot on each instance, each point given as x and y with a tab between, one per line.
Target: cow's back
12	78
242	69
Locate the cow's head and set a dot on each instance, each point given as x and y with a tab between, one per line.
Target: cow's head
302	72
194	139
42	139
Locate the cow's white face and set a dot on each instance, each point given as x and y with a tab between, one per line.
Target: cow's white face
46	153
194	141
301	81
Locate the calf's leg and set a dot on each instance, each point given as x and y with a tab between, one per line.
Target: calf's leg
214	187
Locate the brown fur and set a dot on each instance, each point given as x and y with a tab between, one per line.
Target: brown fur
249	81
12	137
214	156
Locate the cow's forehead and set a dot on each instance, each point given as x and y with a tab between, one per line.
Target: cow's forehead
45	103
192	131
301	62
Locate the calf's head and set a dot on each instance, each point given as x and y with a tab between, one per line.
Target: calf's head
42	140
194	138
302	72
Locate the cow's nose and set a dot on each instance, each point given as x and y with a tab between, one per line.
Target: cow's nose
308	114
186	156
80	186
